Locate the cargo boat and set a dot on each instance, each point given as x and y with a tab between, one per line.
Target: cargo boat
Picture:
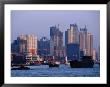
85	62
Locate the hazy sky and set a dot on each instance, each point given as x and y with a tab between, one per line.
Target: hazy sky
38	22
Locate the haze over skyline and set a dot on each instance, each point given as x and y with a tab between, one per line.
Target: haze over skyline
38	22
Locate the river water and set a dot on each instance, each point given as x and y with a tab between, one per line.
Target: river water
61	71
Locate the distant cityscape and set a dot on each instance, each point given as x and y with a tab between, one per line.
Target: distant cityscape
78	43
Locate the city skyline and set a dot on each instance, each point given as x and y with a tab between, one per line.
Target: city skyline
76	43
78	50
35	22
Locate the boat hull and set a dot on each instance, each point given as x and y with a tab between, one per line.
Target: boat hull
21	68
80	64
53	65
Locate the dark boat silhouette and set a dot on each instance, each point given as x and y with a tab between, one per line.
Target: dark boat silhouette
19	61
22	67
85	62
53	65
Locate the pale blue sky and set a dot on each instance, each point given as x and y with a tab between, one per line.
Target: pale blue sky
39	22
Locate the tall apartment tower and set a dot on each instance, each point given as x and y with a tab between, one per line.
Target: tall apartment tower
83	38
94	55
21	39
72	42
44	46
89	44
72	35
86	42
31	44
27	44
56	41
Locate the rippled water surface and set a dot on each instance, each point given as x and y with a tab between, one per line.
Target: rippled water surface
62	71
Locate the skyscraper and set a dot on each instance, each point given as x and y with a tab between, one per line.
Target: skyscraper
26	45
86	42
56	41
72	42
72	51
19	45
89	44
72	34
83	38
94	54
31	44
15	46
43	46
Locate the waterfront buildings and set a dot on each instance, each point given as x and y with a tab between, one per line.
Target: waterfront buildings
72	51
89	45
56	42
72	34
31	48
83	39
15	47
25	45
72	42
44	46
94	55
19	45
86	42
77	44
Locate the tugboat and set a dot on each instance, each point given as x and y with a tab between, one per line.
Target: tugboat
56	64
86	62
53	63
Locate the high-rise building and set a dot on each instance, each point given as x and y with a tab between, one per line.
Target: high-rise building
94	54
19	45
89	44
56	41
26	45
83	38
72	34
44	46
86	42
15	46
72	51
22	42
31	44
72	39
